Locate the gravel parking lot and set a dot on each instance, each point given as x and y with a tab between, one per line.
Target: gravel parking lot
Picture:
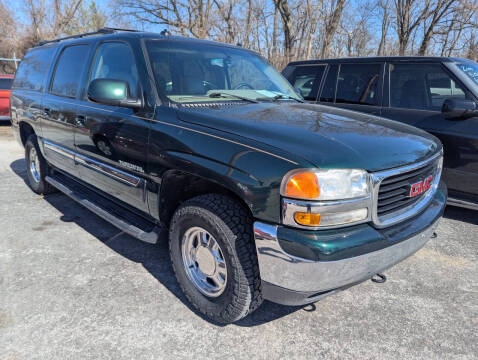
74	287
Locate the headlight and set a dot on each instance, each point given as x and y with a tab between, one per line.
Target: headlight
334	184
317	199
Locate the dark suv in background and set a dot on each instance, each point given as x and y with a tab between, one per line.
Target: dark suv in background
439	95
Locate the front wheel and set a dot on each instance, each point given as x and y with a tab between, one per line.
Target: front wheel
214	257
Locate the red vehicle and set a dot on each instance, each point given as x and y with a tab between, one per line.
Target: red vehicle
5	86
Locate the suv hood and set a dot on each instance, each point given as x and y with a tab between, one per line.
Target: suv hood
325	136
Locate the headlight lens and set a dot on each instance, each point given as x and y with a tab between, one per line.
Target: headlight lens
333	184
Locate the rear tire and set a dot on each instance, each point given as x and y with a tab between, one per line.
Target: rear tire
37	167
226	226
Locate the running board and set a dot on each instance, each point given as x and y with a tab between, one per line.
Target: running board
120	217
462	203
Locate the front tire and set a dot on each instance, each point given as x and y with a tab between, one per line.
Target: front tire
214	257
37	167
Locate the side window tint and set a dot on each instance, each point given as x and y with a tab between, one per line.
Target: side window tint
33	69
307	78
328	91
358	84
421	86
115	61
68	71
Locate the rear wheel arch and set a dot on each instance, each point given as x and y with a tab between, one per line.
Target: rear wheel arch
25	131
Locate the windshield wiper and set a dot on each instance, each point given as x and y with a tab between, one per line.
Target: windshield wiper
281	96
225	94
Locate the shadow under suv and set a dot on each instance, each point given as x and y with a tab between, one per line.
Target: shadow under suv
264	196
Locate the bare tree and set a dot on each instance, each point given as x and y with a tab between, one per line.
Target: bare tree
384	13
190	18
331	26
286	16
440	10
408	15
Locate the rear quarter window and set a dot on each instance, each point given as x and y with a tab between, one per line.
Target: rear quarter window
33	69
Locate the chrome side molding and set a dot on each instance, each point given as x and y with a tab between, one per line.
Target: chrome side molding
95	165
462	203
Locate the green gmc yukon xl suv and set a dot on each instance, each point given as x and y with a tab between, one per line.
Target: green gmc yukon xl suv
264	196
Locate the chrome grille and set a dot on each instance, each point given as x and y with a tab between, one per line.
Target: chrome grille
391	190
394	191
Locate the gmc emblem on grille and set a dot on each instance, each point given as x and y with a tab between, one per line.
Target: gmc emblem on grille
421	186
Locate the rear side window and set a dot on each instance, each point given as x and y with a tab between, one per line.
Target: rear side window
328	91
66	79
358	84
307	78
6	84
421	86
33	69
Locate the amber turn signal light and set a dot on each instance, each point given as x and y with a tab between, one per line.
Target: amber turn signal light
307	219
303	185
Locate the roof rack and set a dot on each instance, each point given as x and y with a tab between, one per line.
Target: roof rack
102	31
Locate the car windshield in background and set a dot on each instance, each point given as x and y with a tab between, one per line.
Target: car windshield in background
6	84
187	72
471	70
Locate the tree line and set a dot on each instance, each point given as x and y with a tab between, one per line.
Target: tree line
281	30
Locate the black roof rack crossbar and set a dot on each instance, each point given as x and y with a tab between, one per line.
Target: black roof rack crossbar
102	31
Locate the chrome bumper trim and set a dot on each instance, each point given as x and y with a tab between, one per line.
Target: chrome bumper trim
290	272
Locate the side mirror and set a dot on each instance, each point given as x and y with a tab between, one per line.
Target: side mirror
112	92
459	108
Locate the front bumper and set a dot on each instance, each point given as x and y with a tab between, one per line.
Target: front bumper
336	259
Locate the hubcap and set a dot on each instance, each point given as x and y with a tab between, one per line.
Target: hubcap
34	165
204	262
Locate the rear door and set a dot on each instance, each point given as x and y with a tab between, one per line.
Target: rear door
112	141
416	94
59	107
306	78
357	87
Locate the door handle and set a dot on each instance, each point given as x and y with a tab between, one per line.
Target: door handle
80	120
46	111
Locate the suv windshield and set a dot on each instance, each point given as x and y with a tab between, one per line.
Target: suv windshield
471	70
188	72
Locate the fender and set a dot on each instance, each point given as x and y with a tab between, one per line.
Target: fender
259	193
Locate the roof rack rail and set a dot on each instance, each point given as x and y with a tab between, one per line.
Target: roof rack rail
102	31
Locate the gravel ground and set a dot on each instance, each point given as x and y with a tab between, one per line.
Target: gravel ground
74	287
